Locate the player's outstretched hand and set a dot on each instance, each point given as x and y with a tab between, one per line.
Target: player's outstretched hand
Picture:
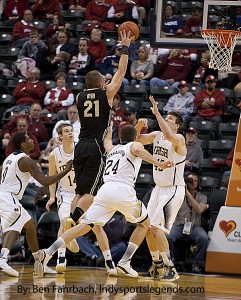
69	165
165	165
154	107
125	38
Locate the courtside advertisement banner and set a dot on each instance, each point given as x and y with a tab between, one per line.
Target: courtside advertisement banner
234	188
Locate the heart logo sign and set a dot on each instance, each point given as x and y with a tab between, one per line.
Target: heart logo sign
238	162
227	226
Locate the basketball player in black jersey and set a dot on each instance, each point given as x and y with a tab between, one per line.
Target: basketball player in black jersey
94	107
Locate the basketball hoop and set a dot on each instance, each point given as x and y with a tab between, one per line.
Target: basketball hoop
221	44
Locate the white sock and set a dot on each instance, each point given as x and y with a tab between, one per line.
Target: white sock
131	249
55	246
4	253
107	255
166	258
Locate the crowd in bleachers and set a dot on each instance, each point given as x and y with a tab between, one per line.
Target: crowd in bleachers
47	47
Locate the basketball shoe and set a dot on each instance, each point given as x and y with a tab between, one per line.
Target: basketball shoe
156	270
61	265
110	267
126	269
170	274
6	269
72	245
40	263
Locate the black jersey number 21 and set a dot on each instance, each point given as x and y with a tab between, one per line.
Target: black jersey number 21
89	112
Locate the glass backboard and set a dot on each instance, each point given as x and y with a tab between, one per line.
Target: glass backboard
213	13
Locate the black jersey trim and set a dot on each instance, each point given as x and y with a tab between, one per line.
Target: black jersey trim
21	185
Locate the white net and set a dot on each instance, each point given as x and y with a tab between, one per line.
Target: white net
221	44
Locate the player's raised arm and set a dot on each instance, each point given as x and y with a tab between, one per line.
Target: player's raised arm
108	139
170	135
144	139
113	87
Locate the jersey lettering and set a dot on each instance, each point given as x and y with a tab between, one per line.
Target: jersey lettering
161	151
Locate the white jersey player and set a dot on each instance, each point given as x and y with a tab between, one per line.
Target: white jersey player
65	187
116	194
16	171
168	194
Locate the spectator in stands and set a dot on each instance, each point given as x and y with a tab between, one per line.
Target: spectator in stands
31	47
22	29
182	102
14	10
73	120
22	126
97	48
35	122
130	118
123	11
190	214
193	25
78	4
44	9
64	44
110	63
117	117
201	70
143	7
47	60
81	64
209	102
58	99
96	12
142	69
225	163
171	70
194	158
58	23
172	25
30	91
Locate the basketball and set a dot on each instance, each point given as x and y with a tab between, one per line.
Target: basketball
132	27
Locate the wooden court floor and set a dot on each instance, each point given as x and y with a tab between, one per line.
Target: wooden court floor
92	283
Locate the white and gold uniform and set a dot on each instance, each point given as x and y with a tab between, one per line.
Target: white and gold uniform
168	194
118	193
66	185
13	184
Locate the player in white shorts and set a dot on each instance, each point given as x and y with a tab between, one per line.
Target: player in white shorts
168	194
16	171
65	188
117	193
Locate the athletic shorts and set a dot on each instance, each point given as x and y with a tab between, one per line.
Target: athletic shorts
64	204
13	216
112	197
164	205
89	165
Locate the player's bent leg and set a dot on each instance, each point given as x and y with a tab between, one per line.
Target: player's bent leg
157	268
105	248
138	235
83	203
